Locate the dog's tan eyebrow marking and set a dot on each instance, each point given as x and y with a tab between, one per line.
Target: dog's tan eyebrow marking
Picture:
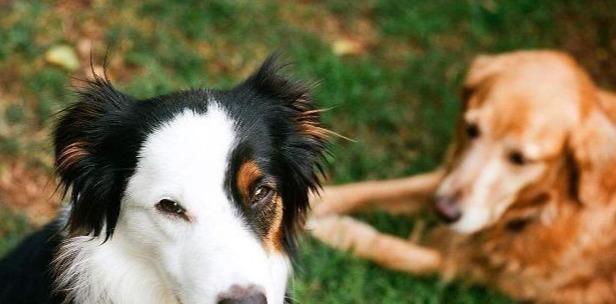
273	238
247	174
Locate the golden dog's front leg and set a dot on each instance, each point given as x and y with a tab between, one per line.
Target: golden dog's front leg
398	196
361	239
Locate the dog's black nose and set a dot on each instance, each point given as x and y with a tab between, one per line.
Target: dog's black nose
447	208
242	295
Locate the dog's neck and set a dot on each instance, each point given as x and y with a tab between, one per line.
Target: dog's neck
90	271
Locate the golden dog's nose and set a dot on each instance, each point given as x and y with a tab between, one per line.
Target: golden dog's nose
447	208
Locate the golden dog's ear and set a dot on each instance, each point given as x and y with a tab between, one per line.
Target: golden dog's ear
484	67
482	72
592	143
481	69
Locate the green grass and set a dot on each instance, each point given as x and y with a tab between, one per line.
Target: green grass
398	99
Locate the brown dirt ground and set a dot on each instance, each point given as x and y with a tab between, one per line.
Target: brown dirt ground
28	188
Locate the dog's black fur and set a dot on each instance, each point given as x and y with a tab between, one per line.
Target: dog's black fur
25	273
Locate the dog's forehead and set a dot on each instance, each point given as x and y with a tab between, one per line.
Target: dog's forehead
533	131
529	105
191	146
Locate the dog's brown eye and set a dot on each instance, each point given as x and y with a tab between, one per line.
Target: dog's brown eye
472	131
517	158
262	193
170	207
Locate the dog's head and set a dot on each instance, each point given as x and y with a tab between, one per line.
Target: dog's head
207	187
531	122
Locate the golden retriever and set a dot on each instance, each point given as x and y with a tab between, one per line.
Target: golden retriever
528	189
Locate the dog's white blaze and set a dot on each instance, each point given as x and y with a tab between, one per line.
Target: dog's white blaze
192	261
476	213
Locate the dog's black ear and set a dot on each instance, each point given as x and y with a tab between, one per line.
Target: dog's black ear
304	145
83	157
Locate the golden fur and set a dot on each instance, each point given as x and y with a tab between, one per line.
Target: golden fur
539	225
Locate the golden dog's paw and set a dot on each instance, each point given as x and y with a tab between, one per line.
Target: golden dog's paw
340	232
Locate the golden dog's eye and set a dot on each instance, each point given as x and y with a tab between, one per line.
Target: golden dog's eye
516	158
472	131
170	207
262	194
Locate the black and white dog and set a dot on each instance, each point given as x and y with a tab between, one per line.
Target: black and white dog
192	197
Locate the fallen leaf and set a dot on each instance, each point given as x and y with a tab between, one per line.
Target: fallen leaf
63	56
347	47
